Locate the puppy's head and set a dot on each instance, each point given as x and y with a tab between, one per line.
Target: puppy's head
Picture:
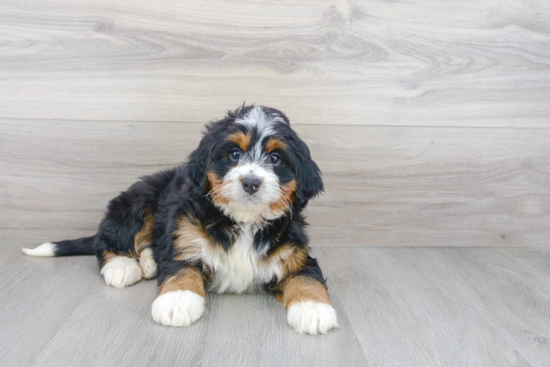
253	166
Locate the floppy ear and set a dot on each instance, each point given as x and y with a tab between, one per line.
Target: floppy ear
196	166
308	175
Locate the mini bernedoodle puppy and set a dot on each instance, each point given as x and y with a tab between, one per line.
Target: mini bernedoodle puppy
230	220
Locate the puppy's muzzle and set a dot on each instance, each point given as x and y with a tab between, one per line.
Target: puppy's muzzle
251	184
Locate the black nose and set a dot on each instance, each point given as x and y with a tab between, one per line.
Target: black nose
251	184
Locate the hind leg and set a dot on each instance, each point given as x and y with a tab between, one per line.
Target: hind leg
120	271
148	264
123	271
125	260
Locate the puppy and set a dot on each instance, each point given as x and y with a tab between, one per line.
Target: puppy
230	220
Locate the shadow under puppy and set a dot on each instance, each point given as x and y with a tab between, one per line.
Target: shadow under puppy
227	221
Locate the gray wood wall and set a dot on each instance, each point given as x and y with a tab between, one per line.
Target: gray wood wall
429	119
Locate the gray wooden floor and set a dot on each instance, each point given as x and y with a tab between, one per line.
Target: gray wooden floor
396	306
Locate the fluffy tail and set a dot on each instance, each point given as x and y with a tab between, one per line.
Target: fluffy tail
80	246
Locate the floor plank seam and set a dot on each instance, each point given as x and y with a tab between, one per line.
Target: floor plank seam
541	247
346	313
7	119
58	326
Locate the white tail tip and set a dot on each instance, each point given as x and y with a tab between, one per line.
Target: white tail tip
44	250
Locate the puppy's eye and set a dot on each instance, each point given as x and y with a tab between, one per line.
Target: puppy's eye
275	159
235	154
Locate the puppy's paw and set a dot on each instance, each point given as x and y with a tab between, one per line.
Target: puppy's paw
178	308
148	264
121	271
312	317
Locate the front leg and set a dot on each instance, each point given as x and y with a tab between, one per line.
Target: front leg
305	295
308	304
182	297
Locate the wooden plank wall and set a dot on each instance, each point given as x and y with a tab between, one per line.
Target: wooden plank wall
429	119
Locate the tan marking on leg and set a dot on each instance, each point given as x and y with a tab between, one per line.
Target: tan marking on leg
144	237
242	139
295	262
302	289
189	278
291	259
108	256
274	143
147	263
287	197
190	236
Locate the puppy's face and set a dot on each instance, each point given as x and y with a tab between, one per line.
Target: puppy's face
257	167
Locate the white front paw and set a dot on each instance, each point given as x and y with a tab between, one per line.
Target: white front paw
312	317
178	308
121	271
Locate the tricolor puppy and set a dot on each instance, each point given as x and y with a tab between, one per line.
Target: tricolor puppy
230	220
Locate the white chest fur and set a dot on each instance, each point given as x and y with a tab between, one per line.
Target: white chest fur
241	269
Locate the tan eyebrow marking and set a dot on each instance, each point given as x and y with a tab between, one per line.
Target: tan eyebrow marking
243	140
274	143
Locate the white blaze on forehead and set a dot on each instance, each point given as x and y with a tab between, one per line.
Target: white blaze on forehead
264	124
258	119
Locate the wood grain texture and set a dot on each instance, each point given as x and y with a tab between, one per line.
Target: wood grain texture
396	307
429	119
390	186
112	327
421	63
261	337
36	299
450	307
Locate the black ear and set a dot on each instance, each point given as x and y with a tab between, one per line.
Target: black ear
308	175
196	168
